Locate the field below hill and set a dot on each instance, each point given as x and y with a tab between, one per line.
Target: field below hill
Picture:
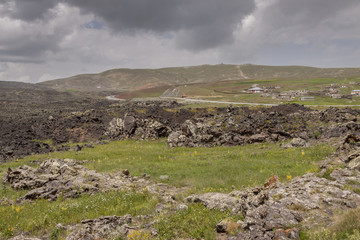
236	91
77	166
197	170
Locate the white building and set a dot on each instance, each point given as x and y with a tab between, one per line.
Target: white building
307	98
355	92
256	90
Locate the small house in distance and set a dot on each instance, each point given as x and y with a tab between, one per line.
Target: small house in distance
307	98
355	92
256	90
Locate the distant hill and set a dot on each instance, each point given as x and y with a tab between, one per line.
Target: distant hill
34	93
123	80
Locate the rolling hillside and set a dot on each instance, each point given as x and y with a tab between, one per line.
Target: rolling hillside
123	80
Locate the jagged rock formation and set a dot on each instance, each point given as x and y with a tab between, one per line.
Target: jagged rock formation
105	227
277	210
90	121
67	178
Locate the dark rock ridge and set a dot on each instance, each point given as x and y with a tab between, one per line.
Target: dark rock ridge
25	127
238	126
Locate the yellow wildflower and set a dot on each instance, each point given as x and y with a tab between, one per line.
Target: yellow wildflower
17	209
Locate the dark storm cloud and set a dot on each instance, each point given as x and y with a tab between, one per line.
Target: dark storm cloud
165	15
29	10
205	23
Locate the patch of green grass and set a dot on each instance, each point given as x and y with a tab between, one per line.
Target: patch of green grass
218	168
41	216
197	222
47	141
347	226
328	172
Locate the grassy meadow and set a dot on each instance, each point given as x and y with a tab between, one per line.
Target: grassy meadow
231	90
198	169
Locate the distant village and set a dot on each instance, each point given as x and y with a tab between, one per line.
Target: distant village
333	90
304	95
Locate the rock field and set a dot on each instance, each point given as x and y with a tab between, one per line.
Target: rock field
275	210
27	128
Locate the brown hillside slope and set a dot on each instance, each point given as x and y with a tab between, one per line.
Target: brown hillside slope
137	79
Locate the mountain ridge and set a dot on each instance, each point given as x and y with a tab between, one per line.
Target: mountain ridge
125	79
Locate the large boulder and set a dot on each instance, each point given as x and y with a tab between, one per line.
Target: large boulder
129	124
296	142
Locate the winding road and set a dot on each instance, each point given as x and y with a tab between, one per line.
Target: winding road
113	98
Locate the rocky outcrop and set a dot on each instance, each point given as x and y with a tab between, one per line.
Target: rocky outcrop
275	210
108	226
339	115
296	142
340	130
136	128
88	121
67	178
210	132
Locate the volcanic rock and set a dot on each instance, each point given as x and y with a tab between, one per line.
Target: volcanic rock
65	177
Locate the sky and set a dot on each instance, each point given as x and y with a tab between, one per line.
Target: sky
48	39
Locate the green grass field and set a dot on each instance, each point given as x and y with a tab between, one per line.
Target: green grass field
199	169
231	90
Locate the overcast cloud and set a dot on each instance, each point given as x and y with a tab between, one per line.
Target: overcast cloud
46	39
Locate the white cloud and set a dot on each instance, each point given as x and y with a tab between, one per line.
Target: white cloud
13	72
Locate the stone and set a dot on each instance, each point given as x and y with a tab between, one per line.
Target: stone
77	148
115	128
80	235
129	124
228	226
6	202
258	138
182	207
160	208
164	177
126	172
296	142
220	201
354	164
